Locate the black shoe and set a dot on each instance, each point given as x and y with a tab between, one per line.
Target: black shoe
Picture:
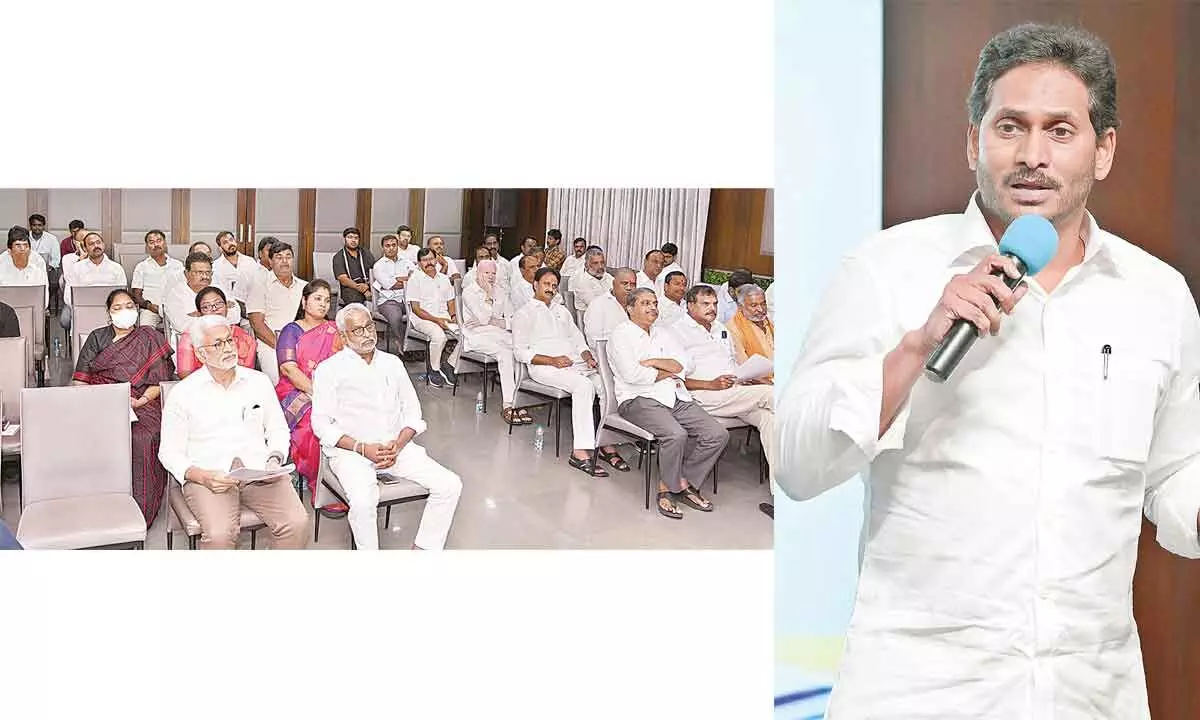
768	509
436	380
449	375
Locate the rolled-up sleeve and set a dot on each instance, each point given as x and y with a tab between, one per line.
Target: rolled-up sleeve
1173	465
828	413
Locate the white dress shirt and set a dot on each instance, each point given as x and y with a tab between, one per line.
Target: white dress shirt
770	293
432	293
180	303
87	273
478	313
661	280
587	288
1005	505
277	302
34	258
32	274
604	314
539	329
451	268
207	425
669	311
151	278
522	292
643	280
571	266
370	402
410	253
67	264
47	246
387	272
236	280
709	352
726	304
628	346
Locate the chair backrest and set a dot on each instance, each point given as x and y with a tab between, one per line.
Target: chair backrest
87	318
14	373
82	443
606	377
129	260
24	320
34	298
91	295
80	339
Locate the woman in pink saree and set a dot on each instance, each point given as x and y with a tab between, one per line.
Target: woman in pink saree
303	345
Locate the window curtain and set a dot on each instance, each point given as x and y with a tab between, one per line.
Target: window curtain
629	222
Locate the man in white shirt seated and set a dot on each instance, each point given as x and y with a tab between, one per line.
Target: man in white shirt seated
17	267
431	310
648	374
218	420
481	254
546	340
670	301
366	413
408	248
179	306
45	245
710	370
233	271
670	253
608	311
446	266
273	304
504	269
390	274
150	279
528	246
574	259
651	270
727	293
592	281
522	284
96	269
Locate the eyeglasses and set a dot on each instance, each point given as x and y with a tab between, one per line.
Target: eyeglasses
202	273
212	307
363	332
227	343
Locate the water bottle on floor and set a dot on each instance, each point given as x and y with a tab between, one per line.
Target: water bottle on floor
539	439
479	403
57	347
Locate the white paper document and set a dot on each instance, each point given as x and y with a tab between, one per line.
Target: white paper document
10	429
132	415
249	475
756	366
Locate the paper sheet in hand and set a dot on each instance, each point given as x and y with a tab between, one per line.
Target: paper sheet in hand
756	366
248	475
10	429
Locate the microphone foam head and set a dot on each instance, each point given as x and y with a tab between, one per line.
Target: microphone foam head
1033	239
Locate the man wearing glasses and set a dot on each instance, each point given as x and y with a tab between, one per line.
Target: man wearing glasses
212	301
366	413
180	304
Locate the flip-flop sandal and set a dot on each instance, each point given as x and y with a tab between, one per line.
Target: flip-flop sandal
694	500
587	466
511	417
525	417
614	459
669	510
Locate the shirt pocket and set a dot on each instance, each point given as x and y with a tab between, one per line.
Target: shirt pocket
1124	405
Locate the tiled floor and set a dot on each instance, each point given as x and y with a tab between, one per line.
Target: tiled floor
514	497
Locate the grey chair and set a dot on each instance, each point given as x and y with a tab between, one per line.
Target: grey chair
78	495
613	426
180	517
13	373
550	396
395	491
323	270
471	362
729	424
373	305
32	300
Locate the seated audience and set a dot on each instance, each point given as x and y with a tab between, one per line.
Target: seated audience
710	370
651	270
17	268
44	244
650	394
408	248
304	344
486	320
593	281
574	262
96	269
608	311
125	352
546	339
726	302
432	311
222	418
670	252
445	265
211	301
750	330
671	308
180	308
366	413
150	277
391	273
352	269
234	271
273	304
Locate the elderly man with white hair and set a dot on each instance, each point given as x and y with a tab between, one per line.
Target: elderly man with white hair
751	331
592	281
222	418
366	413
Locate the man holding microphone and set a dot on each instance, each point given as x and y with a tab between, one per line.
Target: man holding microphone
1005	501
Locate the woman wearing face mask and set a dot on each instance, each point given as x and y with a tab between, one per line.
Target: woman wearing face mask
125	352
304	344
211	301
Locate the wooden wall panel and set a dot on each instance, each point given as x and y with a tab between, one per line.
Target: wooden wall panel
930	52
734	234
307	233
362	218
181	206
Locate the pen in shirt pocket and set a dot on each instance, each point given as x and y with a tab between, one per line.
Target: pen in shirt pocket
1105	352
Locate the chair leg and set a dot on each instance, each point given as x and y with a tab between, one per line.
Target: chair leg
253	539
483	389
316	525
647	476
557	426
387	517
715	465
170	540
192	542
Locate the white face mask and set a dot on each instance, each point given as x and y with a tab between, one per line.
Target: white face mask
125	319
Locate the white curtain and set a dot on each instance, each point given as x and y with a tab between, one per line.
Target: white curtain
629	222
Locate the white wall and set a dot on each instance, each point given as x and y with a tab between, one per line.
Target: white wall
443	216
13	209
63	206
335	212
209	212
143	211
389	210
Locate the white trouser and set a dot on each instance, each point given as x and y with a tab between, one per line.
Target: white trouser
497	342
584	390
357	476
267	362
149	319
437	341
754	404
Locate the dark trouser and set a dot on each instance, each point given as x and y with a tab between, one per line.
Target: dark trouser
690	441
394	312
